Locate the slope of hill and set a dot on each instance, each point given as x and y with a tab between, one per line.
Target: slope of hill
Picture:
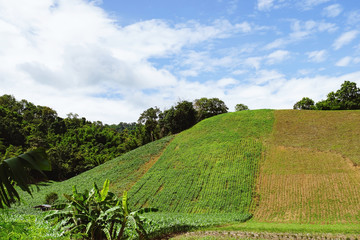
209	168
123	172
283	166
309	174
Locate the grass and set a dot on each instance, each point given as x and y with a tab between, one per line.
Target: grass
255	226
210	168
303	179
23	226
170	223
336	131
122	172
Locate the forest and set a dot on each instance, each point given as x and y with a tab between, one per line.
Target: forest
74	144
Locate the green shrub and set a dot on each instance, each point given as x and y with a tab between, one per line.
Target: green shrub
99	214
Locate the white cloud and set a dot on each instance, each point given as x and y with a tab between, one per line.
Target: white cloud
301	30
277	56
264	5
304	29
70	55
232	6
278	92
353	17
345	39
193	63
317	56
254	62
309	4
278	43
333	10
345	61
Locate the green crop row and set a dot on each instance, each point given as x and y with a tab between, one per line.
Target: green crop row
207	170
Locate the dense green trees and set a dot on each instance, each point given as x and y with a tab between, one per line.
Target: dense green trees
346	98
304	104
241	107
74	144
208	107
178	118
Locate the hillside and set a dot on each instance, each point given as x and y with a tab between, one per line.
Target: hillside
310	172
123	172
288	167
210	168
192	169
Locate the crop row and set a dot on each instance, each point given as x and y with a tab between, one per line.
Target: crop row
302	186
220	179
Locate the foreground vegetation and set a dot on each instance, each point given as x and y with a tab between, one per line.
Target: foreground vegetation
14	225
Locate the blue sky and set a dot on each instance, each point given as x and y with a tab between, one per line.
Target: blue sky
110	60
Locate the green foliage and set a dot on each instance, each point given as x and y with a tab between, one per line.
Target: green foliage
14	171
205	170
51	198
73	144
178	118
165	223
97	214
241	107
346	98
305	104
150	120
208	107
24	226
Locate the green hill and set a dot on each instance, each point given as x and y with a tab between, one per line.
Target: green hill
288	167
210	168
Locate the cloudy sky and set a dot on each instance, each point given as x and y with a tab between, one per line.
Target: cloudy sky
110	60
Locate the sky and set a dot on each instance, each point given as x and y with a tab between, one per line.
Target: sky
110	60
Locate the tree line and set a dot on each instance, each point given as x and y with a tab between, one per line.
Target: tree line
74	144
346	98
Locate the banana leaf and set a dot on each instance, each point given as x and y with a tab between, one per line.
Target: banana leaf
13	171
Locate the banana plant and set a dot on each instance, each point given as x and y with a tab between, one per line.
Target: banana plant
13	171
98	214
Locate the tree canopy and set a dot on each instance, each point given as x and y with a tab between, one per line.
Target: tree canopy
346	98
241	107
74	144
305	104
208	107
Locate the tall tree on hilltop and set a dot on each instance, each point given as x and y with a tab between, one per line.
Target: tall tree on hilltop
149	118
305	104
178	118
241	107
208	107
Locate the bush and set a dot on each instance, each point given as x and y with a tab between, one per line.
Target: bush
99	214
